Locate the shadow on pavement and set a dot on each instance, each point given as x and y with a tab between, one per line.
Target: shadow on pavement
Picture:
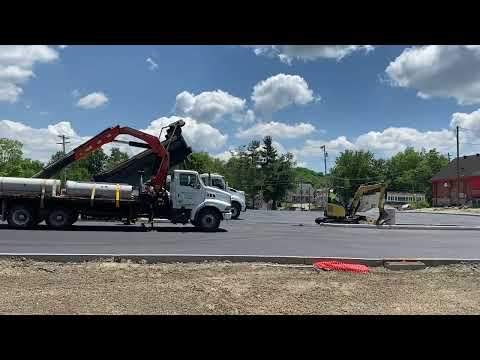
116	228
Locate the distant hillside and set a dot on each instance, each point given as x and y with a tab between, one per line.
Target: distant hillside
309	176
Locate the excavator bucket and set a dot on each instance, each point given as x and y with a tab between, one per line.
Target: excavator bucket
383	217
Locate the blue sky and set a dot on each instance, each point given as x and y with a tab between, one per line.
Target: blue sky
381	98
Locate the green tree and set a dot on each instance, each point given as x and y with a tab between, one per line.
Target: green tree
278	173
95	162
77	171
10	157
411	170
243	170
12	162
353	168
202	162
116	157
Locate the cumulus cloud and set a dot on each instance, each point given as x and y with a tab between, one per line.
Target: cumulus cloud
92	101
288	53
200	136
467	121
383	144
334	147
210	106
280	91
16	67
224	156
276	130
449	71
40	143
393	140
153	65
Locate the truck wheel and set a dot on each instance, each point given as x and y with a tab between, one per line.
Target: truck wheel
208	220
59	218
236	210
21	217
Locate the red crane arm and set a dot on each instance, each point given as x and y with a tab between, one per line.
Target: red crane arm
110	134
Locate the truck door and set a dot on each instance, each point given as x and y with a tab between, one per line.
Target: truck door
188	191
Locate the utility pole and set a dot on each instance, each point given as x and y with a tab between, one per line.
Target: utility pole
63	143
301	194
324	158
448	154
309	199
458	170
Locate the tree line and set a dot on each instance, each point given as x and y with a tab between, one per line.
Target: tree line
258	168
13	163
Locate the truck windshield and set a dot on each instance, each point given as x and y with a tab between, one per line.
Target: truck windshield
218	183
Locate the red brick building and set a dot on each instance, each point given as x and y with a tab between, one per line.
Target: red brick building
444	183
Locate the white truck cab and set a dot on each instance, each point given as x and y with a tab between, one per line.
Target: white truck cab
205	206
238	197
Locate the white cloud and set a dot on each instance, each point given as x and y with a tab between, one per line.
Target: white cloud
40	143
276	130
334	147
211	106
16	67
288	53
449	71
62	46
75	93
224	156
467	121
9	92
383	144
393	140
92	101
280	91
153	65
200	136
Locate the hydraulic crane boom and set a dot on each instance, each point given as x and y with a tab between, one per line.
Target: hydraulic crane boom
109	135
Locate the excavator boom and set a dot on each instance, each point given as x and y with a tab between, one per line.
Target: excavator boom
345	214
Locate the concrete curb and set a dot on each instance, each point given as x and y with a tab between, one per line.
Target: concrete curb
191	258
404	227
436	213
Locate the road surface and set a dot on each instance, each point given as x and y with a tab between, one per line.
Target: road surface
256	233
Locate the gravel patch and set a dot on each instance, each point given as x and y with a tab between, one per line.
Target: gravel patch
30	287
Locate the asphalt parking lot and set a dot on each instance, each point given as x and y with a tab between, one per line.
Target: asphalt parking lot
256	233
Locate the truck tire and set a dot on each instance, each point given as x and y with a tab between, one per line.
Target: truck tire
236	209
208	220
59	218
21	217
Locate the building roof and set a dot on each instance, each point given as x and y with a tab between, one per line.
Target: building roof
469	166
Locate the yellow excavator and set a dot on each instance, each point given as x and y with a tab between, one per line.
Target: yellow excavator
338	211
